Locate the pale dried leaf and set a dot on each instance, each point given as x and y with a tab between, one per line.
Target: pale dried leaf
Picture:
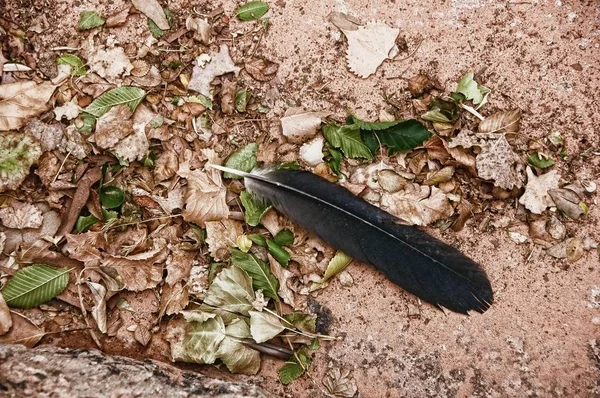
205	198
113	126
264	326
236	356
166	165
201	27
118	18
502	122
284	277
142	335
556	228
5	318
70	110
536	197
23	332
368	46
567	201
228	90
560	249
575	250
298	126
220	235
135	146
340	383
109	63
219	64
153	10
99	310
21	101
418	205
311	152
260	302
21	215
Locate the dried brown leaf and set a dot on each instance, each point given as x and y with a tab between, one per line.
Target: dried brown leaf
173	299
418	84
21	101
284	277
79	200
390	181
502	122
465	212
556	228
418	205
5	318
575	250
21	215
85	247
142	335
153	10
99	310
340	383
138	272
567	201
299	126
228	90
179	265
166	166
439	176
261	69
113	126
220	235
536	197
118	18
23	331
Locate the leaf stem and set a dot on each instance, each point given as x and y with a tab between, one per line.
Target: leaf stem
472	111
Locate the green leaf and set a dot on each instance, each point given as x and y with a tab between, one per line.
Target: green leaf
157	32
333	157
111	196
264	326
314	344
77	66
295	367
259	272
243	159
89	20
242	98
262	108
471	89
540	160
371	126
348	139
231	291
200	99
84	223
34	285
109	214
258	240
279	253
401	137
441	111
88	123
254	208
131	96
285	237
252	10
336	265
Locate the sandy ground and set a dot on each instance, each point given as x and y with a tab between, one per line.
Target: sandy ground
541	56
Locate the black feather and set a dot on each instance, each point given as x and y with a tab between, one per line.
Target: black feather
412	259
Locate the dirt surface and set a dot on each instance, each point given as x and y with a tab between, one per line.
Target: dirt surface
538	339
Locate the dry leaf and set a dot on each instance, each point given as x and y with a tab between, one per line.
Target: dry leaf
153	10
173	299
340	383
23	331
556	228
575	250
138	272
99	310
150	79
70	110
109	63
113	126
368	46
497	160
228	90
21	215
79	200
5	318
311	152
85	247
536	198
560	249
142	335
179	265
439	176
298	126
261	69
220	235
418	84
567	201
502	122
465	212
21	101
418	205
135	146
201	27
205	198
220	63
165	166
284	277
118	18
390	181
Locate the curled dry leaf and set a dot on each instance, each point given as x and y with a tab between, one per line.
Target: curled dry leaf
204	73
153	10
23	331
567	201
261	69
368	45
340	383
390	181
220	235
99	310
298	126
21	215
465	212
536	197
440	176
575	250
5	318
556	228
502	122
418	84
284	277
165	166
201	27
21	101
418	205
228	90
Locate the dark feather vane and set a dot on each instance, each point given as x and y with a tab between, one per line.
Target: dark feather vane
412	259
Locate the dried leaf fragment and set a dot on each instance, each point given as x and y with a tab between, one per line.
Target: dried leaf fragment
536	197
153	10
340	383
204	73
418	205
21	215
568	202
261	69
21	101
5	318
299	126
368	45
